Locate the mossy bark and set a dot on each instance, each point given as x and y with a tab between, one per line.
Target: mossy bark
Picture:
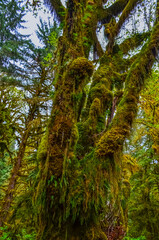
80	170
73	73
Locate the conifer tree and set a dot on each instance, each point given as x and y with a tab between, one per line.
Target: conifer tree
11	41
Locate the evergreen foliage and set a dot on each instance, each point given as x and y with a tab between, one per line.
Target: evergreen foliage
11	41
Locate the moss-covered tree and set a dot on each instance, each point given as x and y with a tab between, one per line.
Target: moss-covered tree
82	187
79	183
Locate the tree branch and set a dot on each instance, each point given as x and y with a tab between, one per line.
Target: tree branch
105	15
134	41
116	27
112	141
97	44
57	7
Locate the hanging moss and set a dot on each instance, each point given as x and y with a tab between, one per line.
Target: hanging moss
80	104
84	201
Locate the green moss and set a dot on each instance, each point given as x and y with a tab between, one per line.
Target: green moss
81	69
81	66
99	100
88	129
84	143
133	42
118	94
95	108
74	136
100	76
118	80
101	91
42	149
111	141
100	123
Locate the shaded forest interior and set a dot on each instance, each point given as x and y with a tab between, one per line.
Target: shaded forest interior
79	131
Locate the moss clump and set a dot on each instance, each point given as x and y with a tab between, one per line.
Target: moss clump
100	76
103	80
80	69
111	141
87	130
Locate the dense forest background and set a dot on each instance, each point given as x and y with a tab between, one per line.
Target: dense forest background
79	131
